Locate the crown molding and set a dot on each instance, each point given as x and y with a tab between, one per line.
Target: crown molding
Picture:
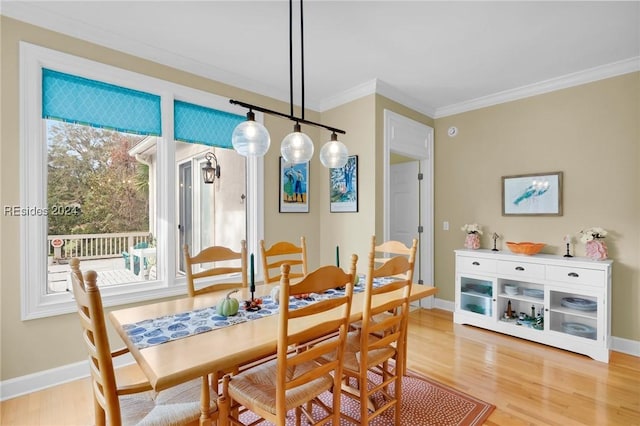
570	80
370	87
356	92
396	95
35	15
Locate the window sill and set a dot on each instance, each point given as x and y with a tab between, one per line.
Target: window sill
61	304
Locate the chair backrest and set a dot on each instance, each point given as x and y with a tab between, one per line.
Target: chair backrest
389	249
280	253
390	299
312	323
94	330
233	262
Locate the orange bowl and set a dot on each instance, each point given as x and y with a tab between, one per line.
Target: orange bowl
525	248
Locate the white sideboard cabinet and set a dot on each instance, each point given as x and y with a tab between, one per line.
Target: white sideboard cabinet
554	300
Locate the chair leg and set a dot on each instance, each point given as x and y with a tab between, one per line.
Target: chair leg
398	396
364	399
205	405
298	416
215	382
385	374
224	402
100	416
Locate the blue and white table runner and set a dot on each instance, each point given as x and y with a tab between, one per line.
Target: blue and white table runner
164	329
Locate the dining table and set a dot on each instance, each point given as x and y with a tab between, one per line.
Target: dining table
221	349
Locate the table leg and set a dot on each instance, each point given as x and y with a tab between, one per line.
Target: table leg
205	404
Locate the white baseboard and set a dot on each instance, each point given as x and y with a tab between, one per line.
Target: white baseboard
44	379
445	305
626	346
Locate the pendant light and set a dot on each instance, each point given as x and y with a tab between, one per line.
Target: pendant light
334	154
251	138
296	147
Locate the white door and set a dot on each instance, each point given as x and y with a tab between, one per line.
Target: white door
414	141
405	202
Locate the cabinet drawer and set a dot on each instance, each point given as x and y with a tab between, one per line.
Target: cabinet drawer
475	264
576	275
521	269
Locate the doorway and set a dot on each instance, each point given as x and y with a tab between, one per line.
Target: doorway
408	189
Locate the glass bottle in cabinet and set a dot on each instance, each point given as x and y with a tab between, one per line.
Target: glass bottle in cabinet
476	295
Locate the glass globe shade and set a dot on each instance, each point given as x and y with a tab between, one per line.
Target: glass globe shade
334	154
296	147
251	138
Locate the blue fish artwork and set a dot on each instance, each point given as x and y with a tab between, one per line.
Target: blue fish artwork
536	189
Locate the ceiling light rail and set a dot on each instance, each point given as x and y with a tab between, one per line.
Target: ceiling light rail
251	138
290	117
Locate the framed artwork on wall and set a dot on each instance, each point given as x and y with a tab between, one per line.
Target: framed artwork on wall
538	194
343	187
294	187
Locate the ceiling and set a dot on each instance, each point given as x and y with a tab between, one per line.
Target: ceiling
436	57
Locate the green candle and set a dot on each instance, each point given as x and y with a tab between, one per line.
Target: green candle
338	256
253	282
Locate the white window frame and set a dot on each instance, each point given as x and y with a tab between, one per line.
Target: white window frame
35	301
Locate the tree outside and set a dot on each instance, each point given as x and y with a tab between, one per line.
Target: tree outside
94	185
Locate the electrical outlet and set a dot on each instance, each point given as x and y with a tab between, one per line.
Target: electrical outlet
445	226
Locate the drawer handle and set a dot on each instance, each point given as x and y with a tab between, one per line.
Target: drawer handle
573	274
519	268
476	263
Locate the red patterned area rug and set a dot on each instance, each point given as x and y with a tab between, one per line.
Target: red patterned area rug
425	402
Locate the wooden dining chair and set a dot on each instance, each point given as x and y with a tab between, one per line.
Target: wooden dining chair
124	396
377	348
216	261
295	379
384	252
388	249
280	253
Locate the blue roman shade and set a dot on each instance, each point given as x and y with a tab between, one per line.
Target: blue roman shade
74	99
202	125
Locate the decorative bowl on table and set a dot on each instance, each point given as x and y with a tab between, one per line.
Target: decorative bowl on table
525	247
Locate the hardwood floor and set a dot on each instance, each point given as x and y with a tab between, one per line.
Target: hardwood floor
529	383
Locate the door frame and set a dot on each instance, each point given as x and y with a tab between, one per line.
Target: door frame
420	149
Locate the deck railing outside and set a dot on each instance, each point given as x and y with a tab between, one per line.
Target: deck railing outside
95	246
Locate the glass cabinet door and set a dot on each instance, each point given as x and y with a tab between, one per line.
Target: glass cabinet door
476	295
574	314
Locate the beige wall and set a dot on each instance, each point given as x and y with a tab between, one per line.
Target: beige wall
364	121
590	133
346	229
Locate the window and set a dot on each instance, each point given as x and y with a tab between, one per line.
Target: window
146	166
98	205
